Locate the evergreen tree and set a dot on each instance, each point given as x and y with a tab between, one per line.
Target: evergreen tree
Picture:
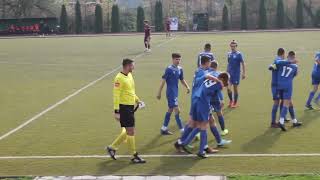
280	14
78	20
115	19
140	19
63	20
158	20
317	21
244	18
262	15
299	14
225	18
98	19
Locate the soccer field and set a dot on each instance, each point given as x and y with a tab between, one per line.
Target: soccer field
69	81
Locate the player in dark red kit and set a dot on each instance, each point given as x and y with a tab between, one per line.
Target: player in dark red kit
167	23
147	35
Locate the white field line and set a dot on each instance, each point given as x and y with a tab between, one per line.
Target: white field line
69	97
160	156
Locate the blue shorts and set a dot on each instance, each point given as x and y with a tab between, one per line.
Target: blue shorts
235	79
200	111
172	102
275	93
285	93
315	80
215	106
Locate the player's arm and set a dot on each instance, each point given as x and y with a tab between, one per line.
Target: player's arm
183	81
297	72
317	59
185	84
160	88
243	64
116	97
220	95
212	78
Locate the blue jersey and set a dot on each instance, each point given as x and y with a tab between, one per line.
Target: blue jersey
204	53
172	76
286	74
218	97
198	78
316	66
234	62
207	91
278	61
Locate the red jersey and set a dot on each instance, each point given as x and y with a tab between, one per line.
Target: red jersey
168	22
147	30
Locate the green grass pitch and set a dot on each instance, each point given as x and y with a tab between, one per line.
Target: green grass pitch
36	73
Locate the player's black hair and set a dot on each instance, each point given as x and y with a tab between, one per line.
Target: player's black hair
291	53
204	60
214	64
126	62
176	55
207	46
281	51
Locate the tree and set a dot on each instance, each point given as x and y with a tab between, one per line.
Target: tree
280	14
115	19
98	19
63	20
262	15
28	8
78	19
299	14
140	19
317	18
158	19
244	18
230	2
225	18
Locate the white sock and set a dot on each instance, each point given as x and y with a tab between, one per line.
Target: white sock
294	120
182	130
163	128
281	120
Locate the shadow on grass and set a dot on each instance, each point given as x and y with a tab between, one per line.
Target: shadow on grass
174	166
263	142
308	116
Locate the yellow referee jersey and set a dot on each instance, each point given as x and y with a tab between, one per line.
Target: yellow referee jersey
124	90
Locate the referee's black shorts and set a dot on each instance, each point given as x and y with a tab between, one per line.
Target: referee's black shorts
127	115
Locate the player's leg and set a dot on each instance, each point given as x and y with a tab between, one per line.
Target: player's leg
315	84
132	146
203	139
284	111
145	41
236	95
293	115
164	129
149	43
178	119
275	108
129	123
230	95
214	130
116	143
220	116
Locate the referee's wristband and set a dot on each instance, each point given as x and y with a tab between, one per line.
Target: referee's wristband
116	111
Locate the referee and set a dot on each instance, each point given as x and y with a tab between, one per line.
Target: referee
125	98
